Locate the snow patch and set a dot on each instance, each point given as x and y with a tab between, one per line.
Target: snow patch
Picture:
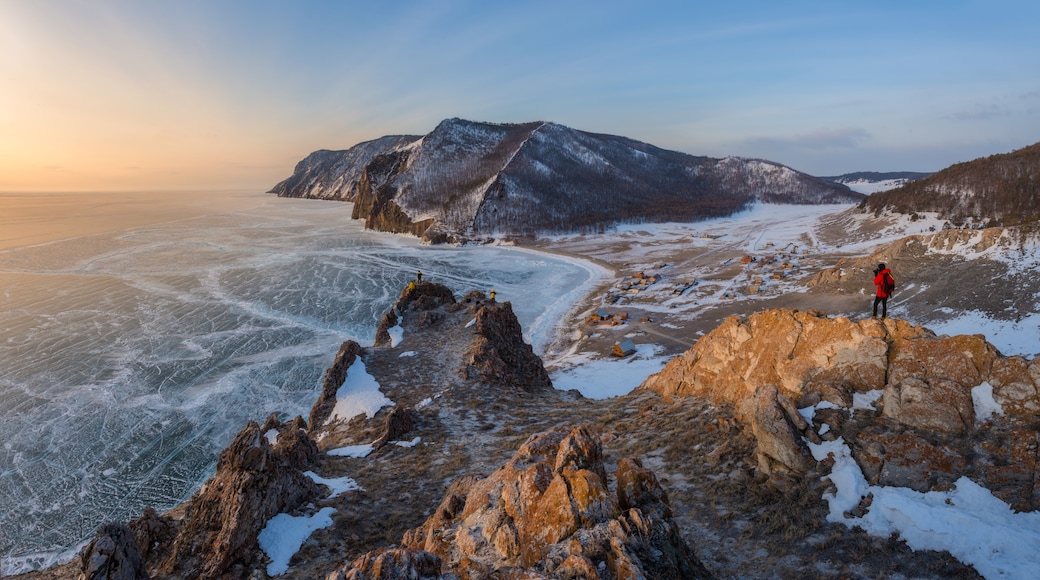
1020	337
396	334
359	394
865	401
985	405
337	486
272	436
602	378
284	534
968	521
356	451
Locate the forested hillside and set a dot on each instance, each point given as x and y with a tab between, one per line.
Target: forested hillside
999	190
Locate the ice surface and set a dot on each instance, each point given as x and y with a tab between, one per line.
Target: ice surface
128	361
284	534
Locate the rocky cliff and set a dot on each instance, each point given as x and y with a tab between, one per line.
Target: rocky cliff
479	469
922	432
334	175
469	180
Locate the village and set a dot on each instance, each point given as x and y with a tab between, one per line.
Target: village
660	296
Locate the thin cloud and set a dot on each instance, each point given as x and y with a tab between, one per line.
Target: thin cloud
843	138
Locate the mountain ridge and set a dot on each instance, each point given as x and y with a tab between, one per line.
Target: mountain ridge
998	190
473	180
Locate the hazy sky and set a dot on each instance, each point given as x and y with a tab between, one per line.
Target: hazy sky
139	94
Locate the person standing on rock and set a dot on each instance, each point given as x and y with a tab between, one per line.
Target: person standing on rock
885	283
418	276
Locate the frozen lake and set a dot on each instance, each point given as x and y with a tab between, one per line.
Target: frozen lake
129	360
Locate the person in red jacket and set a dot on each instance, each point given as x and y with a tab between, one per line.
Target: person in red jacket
881	275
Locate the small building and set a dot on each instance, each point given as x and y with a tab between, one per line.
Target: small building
624	348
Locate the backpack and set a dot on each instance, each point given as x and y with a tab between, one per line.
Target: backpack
888	284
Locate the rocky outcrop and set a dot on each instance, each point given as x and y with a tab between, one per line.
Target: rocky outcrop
779	430
153	533
421	297
255	481
335	375
398	422
922	431
499	354
549	513
798	352
394	564
112	555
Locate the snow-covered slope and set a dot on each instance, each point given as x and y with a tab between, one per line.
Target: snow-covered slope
869	182
467	179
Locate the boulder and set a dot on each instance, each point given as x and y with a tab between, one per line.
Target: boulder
779	434
112	555
933	404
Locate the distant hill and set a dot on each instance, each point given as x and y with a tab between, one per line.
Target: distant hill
469	180
997	190
868	182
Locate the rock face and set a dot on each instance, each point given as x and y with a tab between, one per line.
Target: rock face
254	482
470	180
549	513
112	555
499	355
922	431
334	174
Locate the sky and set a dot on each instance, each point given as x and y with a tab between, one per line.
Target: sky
227	94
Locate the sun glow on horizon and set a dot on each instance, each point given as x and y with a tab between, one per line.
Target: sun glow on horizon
121	95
